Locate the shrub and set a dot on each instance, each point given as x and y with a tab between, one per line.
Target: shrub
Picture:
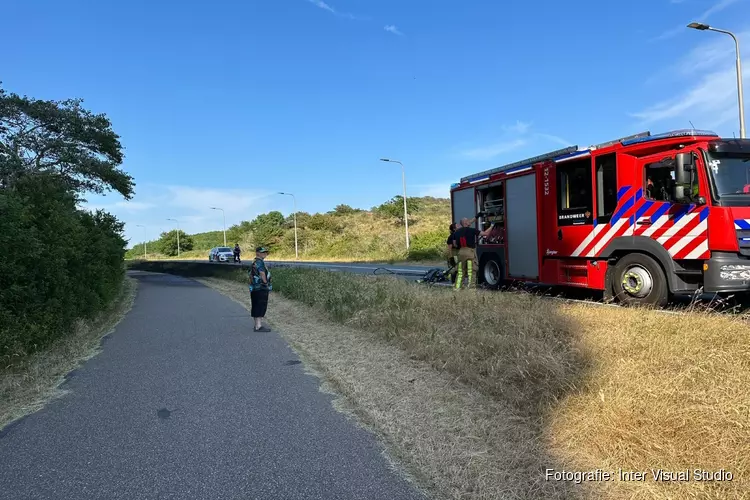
428	246
59	263
321	222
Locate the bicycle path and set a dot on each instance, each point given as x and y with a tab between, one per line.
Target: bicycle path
186	401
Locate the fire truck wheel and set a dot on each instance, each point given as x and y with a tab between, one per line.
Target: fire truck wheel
491	272
639	280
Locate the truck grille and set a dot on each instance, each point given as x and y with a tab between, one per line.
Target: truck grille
743	238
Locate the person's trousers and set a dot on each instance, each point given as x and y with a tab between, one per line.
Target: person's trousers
258	303
466	266
453	265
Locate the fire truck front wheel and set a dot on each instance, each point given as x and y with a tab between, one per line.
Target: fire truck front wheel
639	280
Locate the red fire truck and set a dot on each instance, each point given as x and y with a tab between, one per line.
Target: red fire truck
640	218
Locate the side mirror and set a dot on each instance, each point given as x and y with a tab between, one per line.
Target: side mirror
684	163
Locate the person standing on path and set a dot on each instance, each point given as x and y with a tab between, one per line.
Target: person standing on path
465	239
260	286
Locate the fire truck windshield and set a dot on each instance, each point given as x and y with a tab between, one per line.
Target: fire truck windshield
730	173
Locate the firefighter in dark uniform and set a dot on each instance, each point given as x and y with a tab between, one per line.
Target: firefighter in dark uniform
452	251
465	240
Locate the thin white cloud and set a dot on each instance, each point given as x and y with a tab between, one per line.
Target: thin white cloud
715	51
714	9
324	6
190	205
393	29
710	99
717	7
554	138
519	127
494	150
435	190
133	206
519	135
196	198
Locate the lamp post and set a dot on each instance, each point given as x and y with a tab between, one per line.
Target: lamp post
704	27
406	215
178	236
224	218
144	239
294	199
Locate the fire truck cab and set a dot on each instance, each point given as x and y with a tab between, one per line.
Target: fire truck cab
640	218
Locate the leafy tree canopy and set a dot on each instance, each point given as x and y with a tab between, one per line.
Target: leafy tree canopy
60	138
394	208
168	242
344	209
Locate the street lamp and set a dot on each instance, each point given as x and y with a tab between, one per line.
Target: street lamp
224	217
178	236
296	251
144	239
704	27
406	215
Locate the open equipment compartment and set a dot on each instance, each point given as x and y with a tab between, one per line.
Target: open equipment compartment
492	203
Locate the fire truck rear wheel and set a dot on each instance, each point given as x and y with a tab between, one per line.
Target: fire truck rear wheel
639	280
491	272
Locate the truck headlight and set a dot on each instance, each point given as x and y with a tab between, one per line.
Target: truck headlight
735	272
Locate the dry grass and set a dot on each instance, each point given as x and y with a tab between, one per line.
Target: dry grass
551	384
454	441
665	392
27	384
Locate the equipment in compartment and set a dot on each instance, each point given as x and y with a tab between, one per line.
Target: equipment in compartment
493	208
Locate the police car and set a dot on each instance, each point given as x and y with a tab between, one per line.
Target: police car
221	254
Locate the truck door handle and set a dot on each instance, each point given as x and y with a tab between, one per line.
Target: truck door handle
559	234
644	222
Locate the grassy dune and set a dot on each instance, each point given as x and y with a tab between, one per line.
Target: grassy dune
572	387
361	236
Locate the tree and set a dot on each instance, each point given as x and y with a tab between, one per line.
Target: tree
168	242
267	228
236	233
344	209
51	154
62	139
394	208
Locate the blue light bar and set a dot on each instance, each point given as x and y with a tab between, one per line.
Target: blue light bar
571	156
455	185
688	132
479	178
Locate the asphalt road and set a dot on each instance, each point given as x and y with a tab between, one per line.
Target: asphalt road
343	266
186	401
407	271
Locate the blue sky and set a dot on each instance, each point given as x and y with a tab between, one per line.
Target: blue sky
226	104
